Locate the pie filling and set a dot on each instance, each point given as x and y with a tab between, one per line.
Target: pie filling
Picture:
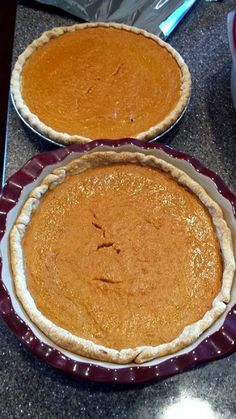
122	255
101	82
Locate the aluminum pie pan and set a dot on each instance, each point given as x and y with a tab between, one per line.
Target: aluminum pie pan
217	342
163	135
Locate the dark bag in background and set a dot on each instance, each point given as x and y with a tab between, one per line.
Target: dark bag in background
157	16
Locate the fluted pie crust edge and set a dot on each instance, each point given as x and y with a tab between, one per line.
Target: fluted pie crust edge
66	138
87	348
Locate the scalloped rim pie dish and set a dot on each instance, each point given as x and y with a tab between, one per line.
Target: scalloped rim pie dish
87	347
216	342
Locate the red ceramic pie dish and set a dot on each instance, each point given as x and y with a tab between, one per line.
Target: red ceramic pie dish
217	342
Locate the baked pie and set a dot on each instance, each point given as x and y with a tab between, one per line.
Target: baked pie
100	80
121	257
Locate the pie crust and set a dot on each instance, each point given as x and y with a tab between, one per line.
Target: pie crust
66	138
87	348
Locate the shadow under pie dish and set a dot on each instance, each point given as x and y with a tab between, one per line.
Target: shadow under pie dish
100	80
121	257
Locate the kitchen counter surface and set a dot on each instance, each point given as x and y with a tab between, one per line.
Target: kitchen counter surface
29	388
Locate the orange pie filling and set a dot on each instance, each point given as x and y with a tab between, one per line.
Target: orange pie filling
101	82
122	255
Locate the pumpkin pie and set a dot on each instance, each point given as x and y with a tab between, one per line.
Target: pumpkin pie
98	80
121	257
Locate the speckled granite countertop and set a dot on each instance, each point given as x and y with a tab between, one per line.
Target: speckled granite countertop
29	388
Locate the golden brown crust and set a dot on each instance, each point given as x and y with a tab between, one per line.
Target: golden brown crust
65	138
87	348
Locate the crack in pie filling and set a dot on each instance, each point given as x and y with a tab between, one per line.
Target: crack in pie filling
100	80
121	257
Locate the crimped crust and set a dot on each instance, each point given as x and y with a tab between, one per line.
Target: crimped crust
65	138
87	348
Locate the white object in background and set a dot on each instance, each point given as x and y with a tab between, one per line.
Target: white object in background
232	43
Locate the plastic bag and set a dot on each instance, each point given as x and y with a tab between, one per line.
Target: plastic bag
158	16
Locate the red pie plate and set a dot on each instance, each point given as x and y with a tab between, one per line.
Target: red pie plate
217	342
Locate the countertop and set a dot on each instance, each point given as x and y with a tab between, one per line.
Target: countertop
29	388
